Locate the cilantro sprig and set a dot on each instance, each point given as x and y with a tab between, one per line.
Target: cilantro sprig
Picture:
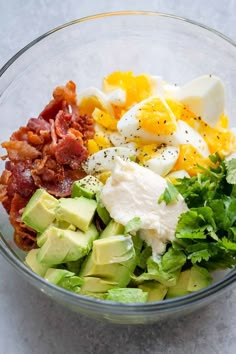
170	194
207	232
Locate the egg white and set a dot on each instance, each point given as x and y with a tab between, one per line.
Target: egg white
163	160
104	160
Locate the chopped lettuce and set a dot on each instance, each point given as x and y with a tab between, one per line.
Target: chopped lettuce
231	171
127	295
133	225
165	269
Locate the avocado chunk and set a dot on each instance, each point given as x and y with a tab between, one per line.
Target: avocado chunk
112	229
96	285
190	280
86	187
127	295
100	296
181	287
41	238
156	291
39	212
102	211
31	260
77	211
115	272
199	278
64	279
112	258
63	246
113	249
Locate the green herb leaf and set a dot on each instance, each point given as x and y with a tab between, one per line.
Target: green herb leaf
170	194
229	245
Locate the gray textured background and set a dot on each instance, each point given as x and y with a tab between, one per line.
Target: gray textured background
30	323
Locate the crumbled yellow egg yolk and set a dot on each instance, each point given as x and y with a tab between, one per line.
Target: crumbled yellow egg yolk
137	88
146	152
182	112
219	138
98	142
156	117
88	104
189	159
104	119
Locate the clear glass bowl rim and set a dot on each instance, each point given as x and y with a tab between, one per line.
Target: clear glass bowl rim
102	305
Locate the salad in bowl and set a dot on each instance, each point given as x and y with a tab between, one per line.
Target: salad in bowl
126	193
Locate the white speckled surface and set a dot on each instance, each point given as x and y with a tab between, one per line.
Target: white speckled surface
30	323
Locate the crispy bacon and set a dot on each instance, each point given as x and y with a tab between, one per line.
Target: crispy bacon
20	180
62	123
38	124
71	151
48	153
20	150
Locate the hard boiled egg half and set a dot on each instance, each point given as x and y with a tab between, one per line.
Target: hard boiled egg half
152	121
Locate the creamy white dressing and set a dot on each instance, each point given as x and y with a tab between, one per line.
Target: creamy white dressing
133	191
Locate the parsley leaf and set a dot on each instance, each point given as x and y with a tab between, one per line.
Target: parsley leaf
207	232
170	194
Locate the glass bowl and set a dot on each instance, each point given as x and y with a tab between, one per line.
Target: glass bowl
85	51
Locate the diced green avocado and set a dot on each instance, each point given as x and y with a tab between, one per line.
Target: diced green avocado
115	272
65	225
181	287
199	278
77	211
156	291
32	261
39	212
112	229
102	211
64	279
64	246
113	249
41	238
96	285
54	275
86	187
100	296
127	295
113	259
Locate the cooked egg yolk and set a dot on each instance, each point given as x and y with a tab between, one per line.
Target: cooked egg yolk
99	142
146	152
182	112
218	140
189	158
104	119
156	117
88	104
137	88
